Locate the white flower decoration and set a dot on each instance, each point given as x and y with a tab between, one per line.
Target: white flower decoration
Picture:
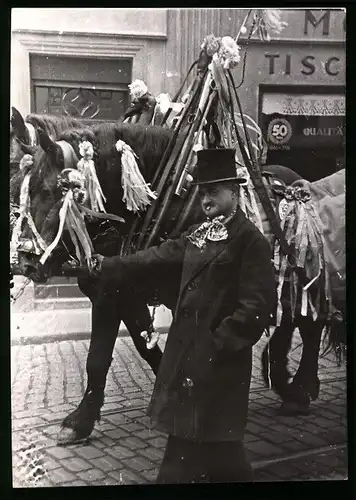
163	103
272	19
75	177
268	20
138	89
211	44
229	52
197	147
86	150
120	146
26	161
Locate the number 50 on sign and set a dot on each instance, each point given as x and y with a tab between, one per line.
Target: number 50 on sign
279	131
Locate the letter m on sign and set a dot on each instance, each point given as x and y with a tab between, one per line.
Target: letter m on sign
310	18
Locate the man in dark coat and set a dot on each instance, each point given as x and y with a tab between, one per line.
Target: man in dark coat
227	294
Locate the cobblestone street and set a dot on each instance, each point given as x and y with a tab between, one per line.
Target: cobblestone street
48	381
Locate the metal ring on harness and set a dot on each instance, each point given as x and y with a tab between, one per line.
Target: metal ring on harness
192	118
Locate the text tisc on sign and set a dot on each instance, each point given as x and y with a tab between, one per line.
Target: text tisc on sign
332	65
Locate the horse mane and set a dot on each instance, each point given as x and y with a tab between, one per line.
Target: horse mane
53	125
147	141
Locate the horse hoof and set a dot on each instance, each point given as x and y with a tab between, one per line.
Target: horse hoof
68	436
291	409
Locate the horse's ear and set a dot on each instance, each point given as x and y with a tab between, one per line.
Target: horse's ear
18	124
46	142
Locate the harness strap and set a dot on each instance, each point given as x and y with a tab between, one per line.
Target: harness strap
69	155
32	133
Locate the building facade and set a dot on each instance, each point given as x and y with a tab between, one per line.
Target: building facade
80	61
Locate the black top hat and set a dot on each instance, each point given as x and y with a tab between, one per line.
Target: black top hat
216	165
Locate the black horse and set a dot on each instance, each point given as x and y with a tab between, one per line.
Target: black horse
129	306
149	143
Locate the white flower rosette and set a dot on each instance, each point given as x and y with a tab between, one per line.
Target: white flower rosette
138	89
163	103
268	21
228	53
86	150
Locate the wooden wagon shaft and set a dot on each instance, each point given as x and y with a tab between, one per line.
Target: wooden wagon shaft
173	157
161	179
185	158
187	209
175	98
165	166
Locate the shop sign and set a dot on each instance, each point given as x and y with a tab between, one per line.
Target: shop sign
327	131
279	131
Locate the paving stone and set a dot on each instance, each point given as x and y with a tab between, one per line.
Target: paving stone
50	417
91	475
146	433
77	482
106	463
134	427
117	419
88	452
51	464
116	476
311	440
107	441
120	452
133	443
75	464
117	433
60	453
150	475
158	442
152	453
139	463
61	475
129	477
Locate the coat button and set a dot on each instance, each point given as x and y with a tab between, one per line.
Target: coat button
192	285
188	382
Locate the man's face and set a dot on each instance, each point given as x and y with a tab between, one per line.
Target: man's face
218	199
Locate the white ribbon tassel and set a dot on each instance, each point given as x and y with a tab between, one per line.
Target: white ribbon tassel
137	193
24	213
71	216
87	168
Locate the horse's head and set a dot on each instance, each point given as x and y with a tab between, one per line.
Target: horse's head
41	193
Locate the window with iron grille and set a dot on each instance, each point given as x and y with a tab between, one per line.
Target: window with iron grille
86	88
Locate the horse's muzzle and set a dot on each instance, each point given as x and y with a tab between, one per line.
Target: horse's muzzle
30	267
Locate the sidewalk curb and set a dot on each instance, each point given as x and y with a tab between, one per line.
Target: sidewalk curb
68	336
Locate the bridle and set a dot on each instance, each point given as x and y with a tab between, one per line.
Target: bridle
71	214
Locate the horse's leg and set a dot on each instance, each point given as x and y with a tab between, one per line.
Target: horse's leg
307	374
305	385
136	316
275	357
79	424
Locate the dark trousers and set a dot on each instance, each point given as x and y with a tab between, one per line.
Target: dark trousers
187	461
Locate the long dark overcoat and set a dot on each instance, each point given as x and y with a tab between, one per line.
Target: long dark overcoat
226	296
